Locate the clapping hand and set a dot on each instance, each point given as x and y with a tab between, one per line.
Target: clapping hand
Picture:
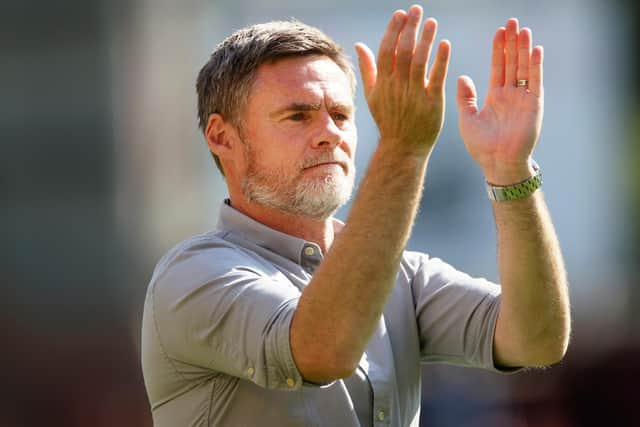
502	135
407	106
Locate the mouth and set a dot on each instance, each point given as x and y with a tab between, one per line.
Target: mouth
328	165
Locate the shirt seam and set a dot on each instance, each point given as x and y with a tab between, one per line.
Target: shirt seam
213	386
157	331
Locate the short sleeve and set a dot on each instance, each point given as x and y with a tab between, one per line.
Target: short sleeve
220	309
456	315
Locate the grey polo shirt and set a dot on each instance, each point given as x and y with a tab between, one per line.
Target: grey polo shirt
215	334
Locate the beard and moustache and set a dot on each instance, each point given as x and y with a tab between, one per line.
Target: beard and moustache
314	197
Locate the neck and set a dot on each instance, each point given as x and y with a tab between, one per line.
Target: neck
318	231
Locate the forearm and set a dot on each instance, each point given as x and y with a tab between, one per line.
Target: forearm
533	325
340	308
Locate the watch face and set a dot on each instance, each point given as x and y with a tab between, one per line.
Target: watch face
534	165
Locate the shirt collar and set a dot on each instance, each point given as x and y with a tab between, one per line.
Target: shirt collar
296	249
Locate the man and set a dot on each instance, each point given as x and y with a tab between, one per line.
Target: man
284	316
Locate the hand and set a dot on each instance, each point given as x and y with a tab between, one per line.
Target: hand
408	108
502	136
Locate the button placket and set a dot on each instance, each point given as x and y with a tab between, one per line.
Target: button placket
381	375
381	402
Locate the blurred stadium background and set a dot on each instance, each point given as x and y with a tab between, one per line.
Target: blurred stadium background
103	169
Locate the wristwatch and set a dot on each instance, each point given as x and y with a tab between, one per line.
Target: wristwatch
517	191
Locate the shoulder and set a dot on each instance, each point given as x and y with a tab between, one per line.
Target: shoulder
428	271
413	263
207	259
413	260
209	252
422	263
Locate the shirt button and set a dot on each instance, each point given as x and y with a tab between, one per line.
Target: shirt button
251	371
381	415
290	382
309	251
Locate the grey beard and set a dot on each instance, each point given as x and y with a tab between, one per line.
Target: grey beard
317	200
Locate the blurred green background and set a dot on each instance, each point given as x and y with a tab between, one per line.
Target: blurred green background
103	169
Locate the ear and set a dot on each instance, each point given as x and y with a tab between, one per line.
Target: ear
221	136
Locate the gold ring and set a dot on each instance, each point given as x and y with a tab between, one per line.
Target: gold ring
522	83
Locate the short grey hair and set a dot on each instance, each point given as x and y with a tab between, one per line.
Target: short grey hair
224	82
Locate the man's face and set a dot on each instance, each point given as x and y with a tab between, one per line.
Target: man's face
299	137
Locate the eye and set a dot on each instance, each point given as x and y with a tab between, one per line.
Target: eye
340	117
297	117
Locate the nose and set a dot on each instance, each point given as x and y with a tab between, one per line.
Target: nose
328	134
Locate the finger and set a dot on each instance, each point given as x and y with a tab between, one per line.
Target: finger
367	65
511	52
387	51
467	96
524	54
423	51
497	59
407	41
438	73
535	71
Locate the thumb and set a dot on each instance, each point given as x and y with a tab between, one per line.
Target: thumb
467	96
367	65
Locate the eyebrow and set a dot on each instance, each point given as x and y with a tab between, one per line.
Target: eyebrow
300	106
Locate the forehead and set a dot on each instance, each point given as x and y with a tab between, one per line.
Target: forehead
303	77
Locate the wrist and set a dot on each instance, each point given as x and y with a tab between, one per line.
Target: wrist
517	190
398	150
507	175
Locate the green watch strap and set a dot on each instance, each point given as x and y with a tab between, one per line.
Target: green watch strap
517	191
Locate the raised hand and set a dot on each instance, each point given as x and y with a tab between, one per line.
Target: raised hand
502	136
407	106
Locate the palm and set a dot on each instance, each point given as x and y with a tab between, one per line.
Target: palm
506	128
